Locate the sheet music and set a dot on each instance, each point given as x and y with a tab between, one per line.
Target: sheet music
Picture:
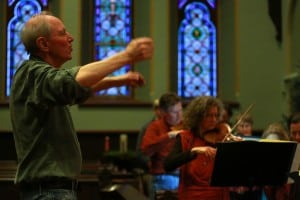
268	163
296	162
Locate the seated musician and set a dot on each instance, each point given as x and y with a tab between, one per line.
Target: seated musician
294	126
294	133
159	139
194	152
244	129
245	126
276	131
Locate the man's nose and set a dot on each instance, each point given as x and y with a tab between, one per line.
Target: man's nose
71	39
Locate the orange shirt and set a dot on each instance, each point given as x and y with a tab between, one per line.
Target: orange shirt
195	175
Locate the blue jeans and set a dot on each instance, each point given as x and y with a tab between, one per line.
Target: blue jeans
49	194
165	182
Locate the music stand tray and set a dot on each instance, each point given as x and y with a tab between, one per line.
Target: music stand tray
252	163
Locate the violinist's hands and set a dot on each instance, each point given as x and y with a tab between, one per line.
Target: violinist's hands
173	134
236	138
231	137
140	49
208	151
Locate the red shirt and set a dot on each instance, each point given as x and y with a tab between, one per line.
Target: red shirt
156	144
195	175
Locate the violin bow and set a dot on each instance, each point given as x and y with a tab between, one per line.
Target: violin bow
242	116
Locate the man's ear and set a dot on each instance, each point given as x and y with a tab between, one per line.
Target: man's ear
42	44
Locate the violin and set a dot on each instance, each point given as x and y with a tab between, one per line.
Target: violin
222	133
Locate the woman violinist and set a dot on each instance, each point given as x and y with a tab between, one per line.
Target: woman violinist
194	151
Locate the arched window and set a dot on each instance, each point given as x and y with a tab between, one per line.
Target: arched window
110	25
18	12
197	48
112	32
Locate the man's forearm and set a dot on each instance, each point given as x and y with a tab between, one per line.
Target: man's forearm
91	74
108	82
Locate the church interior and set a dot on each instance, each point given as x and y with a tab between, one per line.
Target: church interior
257	62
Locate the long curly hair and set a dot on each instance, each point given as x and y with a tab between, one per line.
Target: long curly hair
197	109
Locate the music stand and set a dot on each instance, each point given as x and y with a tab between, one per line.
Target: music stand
252	163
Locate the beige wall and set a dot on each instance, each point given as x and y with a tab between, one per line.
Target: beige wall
251	64
258	62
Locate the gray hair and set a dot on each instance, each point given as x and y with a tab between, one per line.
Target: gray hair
35	27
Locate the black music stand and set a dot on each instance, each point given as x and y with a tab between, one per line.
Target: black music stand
252	163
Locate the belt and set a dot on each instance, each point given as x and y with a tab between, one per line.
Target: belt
49	183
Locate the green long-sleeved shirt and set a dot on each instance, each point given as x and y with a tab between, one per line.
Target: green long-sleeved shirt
45	138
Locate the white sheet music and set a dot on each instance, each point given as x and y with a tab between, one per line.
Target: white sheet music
296	162
295	165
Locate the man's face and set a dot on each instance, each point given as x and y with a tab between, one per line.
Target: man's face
174	114
59	42
295	131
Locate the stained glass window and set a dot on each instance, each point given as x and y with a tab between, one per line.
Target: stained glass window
112	32
22	10
197	60
212	3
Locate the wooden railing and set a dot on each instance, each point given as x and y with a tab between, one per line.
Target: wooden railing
89	171
92	146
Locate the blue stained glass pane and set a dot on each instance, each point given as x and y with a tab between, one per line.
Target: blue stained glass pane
197	53
212	3
44	2
10	2
112	32
181	3
16	53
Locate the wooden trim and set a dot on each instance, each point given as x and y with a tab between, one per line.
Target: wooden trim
102	102
89	172
4	101
8	170
90	132
115	102
107	132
